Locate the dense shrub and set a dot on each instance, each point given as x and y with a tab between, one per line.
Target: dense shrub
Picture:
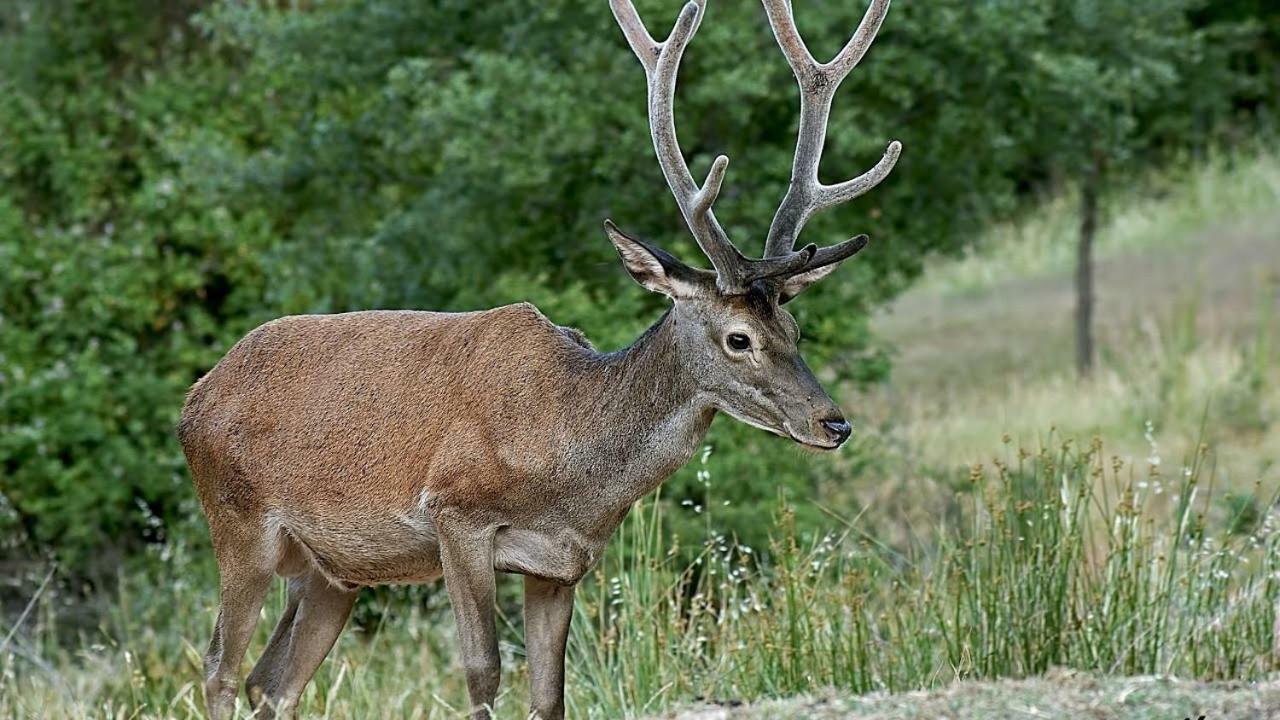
168	179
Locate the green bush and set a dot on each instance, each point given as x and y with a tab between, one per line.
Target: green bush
170	178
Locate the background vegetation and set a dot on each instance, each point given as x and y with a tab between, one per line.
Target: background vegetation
174	173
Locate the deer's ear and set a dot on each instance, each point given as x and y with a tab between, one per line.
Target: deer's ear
797	284
656	269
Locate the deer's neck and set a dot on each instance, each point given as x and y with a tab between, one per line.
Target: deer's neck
650	415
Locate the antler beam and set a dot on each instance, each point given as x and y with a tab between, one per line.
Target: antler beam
661	62
818	83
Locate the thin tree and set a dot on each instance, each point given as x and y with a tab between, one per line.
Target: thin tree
1106	69
1089	189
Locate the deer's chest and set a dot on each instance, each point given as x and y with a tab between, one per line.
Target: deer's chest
556	497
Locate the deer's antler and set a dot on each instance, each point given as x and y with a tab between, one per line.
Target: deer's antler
818	83
661	61
805	195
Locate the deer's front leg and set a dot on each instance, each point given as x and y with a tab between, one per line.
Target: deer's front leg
548	608
467	560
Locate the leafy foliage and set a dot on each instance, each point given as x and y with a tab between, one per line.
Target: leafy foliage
169	179
119	283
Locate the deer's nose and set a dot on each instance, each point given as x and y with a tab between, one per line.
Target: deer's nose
838	428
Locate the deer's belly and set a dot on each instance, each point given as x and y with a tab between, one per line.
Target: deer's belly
396	548
401	545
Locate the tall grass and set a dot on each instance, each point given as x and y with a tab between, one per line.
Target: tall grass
1064	557
1059	556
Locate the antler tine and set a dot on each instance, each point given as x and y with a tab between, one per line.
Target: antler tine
661	63
638	37
839	251
788	264
788	37
706	197
851	54
818	83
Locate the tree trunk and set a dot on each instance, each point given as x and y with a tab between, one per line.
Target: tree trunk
1084	268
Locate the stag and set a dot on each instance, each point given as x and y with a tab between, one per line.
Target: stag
342	451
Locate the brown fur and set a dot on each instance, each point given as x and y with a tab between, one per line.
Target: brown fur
366	411
339	444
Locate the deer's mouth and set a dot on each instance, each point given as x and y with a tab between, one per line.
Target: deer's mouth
810	442
813	445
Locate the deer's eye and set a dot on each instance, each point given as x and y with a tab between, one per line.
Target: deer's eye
738	341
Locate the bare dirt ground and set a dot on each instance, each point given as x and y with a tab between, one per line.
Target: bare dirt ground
1061	695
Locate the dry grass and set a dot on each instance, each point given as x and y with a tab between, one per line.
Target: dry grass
1056	558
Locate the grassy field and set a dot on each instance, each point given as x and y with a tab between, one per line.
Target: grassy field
1188	286
998	519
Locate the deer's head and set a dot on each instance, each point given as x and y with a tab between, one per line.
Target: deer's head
731	330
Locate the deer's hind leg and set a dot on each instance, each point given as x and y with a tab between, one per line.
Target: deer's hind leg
245	568
265	676
316	612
